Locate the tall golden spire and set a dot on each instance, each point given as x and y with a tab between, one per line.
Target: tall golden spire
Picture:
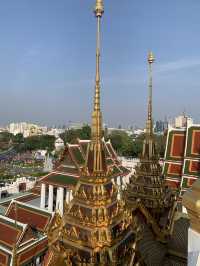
96	162
149	145
96	115
149	125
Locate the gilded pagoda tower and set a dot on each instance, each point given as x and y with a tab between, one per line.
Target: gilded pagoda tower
96	229
147	194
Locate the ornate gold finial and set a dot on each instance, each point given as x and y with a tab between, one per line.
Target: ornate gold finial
151	58
99	8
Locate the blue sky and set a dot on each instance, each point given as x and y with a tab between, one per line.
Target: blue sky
47	60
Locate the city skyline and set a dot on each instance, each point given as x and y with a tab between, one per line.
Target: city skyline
48	70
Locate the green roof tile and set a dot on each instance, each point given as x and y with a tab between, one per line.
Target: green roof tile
63	179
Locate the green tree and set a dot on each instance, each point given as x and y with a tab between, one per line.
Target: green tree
122	143
85	132
5	136
160	144
18	138
71	136
37	142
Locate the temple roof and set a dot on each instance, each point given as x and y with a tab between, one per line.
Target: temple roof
22	197
28	214
22	229
174	252
182	157
72	161
10	232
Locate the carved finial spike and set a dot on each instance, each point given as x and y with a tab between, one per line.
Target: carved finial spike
99	8
151	58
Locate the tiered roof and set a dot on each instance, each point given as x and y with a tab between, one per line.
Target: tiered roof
72	161
22	233
147	194
21	197
173	253
163	234
96	228
35	217
182	157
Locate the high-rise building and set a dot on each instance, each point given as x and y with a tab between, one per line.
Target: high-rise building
26	129
160	126
183	120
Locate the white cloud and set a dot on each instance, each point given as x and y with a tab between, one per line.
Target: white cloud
177	65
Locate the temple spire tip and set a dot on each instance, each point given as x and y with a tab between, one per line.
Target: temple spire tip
99	8
96	162
151	57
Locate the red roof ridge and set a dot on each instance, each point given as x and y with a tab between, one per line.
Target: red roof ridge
33	243
44	177
15	222
72	145
29	206
68	166
4	249
83	140
66	174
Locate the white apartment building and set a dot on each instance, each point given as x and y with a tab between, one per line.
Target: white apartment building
182	121
27	129
55	132
138	131
21	184
111	130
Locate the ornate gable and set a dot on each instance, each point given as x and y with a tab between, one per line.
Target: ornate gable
10	232
36	218
27	236
70	166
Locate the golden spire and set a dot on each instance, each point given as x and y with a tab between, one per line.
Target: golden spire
96	162
149	125
149	145
96	115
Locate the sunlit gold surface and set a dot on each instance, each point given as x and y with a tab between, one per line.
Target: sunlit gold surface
151	57
147	192
96	226
99	8
95	162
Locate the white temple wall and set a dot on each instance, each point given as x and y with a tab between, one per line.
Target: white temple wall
14	187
